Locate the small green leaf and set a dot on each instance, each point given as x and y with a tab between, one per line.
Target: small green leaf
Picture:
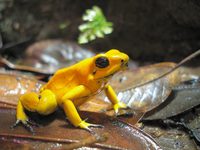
95	25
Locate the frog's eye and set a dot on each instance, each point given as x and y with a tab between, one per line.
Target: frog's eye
102	62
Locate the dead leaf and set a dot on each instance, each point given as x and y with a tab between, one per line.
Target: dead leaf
54	129
14	85
181	100
171	139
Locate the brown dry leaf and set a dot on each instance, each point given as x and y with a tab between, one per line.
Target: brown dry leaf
14	85
183	97
136	77
181	100
54	130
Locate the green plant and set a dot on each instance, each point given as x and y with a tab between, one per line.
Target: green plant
95	25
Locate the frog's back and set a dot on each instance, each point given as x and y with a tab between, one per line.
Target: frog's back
67	78
63	78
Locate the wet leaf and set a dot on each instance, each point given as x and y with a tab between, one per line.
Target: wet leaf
178	102
14	85
178	132
55	133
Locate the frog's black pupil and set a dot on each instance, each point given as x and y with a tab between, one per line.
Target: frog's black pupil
102	62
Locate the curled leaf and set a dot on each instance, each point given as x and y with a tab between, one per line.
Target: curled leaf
45	57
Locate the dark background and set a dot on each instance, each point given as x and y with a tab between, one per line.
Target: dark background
158	30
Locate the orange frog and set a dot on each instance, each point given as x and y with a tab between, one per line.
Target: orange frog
70	87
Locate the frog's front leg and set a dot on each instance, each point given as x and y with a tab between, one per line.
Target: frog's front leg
110	93
70	109
44	103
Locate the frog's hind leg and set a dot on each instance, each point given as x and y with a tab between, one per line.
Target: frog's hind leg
44	103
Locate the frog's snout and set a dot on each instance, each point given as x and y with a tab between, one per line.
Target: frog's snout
124	63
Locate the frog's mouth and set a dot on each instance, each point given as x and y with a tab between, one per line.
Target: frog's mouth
124	65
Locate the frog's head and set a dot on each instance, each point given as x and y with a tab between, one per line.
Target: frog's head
109	63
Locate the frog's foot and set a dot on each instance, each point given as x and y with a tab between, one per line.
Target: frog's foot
26	123
85	125
118	106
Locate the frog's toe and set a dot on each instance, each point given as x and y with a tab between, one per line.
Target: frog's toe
96	125
29	127
89	129
26	123
122	105
32	123
118	106
15	124
86	125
